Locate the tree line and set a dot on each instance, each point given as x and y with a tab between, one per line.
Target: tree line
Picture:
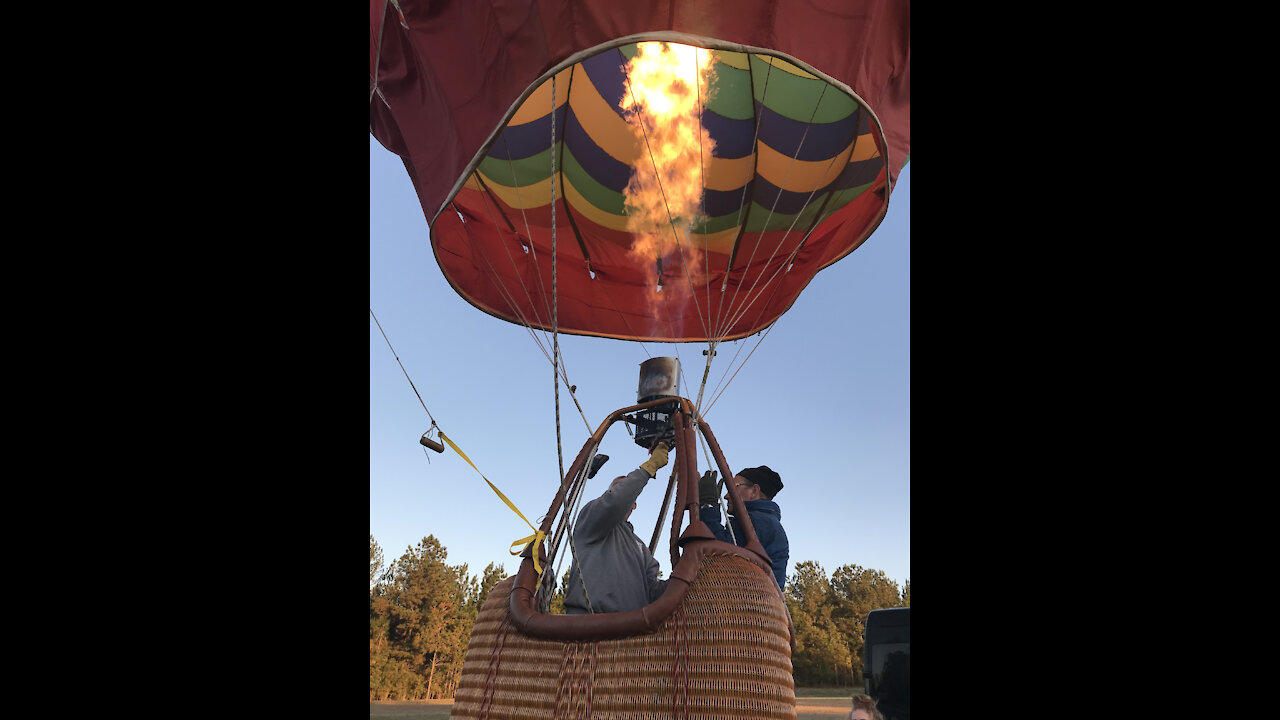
422	610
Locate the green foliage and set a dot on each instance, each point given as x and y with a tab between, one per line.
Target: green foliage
421	612
493	574
829	616
822	653
557	600
375	561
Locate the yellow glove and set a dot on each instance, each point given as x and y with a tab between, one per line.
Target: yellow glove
657	460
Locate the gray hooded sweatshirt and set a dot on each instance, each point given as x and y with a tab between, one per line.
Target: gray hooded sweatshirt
620	572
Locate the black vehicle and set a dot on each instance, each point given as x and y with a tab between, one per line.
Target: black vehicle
886	661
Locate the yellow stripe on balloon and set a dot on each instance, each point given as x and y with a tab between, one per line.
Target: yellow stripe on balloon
525	197
538	104
798	175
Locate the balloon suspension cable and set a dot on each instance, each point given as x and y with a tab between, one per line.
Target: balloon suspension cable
738	314
710	352
740	366
515	184
743	207
568	520
702	200
524	320
569	515
532	250
554	356
555	301
529	247
752	297
502	288
555	334
423	441
406	372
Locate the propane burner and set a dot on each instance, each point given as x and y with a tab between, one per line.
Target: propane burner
659	378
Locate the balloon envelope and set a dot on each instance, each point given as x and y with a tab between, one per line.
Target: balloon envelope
801	126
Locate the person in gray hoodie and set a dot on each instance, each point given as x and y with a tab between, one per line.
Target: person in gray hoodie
620	573
757	486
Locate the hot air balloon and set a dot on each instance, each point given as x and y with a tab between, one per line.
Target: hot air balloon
670	171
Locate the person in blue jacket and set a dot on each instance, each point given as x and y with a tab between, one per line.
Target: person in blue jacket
757	486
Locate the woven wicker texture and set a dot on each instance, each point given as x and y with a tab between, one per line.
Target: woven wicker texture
725	653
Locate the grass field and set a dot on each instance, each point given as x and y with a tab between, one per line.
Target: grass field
811	704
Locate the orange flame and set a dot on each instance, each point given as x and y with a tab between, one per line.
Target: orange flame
667	84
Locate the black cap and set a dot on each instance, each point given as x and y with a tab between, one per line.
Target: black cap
768	480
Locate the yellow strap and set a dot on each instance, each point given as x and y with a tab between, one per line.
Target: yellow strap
537	537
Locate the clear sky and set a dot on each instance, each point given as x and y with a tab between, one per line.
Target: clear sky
825	400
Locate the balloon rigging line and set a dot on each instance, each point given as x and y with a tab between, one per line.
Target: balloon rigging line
706	251
776	288
706	370
573	551
702	204
739	350
740	313
737	314
743	206
752	301
569	516
555	300
501	286
406	372
634	337
727	368
561	369
528	232
524	321
529	247
507	295
796	250
733	316
848	158
625	322
744	362
768	283
497	279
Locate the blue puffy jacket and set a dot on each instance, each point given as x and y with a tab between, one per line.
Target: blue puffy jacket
766	518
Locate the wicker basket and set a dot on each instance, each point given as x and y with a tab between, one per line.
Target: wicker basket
724	653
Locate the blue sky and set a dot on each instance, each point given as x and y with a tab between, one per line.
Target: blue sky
824	400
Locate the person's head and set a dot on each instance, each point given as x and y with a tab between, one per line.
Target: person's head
757	483
617	480
864	708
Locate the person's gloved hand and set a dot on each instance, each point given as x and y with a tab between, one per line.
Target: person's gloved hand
655	461
707	488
